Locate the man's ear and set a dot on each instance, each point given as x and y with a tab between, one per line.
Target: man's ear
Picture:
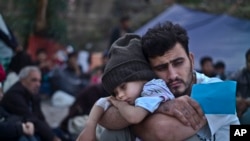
191	57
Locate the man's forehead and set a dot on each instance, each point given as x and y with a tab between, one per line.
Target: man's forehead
169	56
34	74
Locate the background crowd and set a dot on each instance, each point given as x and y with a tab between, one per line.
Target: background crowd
66	84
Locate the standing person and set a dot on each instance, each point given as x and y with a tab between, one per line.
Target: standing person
166	49
127	60
22	100
243	91
120	30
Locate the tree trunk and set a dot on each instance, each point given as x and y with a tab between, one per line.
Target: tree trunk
41	15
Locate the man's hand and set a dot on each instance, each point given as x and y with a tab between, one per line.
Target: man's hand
28	128
185	109
241	106
56	139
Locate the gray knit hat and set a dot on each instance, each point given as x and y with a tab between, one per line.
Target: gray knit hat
126	63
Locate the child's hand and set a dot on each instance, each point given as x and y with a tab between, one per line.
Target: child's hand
116	102
87	135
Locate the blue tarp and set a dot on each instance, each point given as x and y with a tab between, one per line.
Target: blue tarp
222	37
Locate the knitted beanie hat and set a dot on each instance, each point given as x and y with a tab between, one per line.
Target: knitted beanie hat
126	63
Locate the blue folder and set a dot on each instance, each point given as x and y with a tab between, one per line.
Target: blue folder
216	98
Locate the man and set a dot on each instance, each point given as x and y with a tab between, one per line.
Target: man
11	126
166	48
22	99
243	91
83	103
220	70
120	30
70	79
207	67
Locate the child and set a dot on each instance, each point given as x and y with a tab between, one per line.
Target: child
126	77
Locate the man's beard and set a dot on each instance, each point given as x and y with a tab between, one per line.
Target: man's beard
187	85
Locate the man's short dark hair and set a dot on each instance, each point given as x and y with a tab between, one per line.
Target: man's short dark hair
162	38
41	50
247	53
205	59
124	18
219	64
73	54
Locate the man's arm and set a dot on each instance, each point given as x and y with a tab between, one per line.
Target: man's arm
171	120
241	105
112	119
89	132
159	127
184	109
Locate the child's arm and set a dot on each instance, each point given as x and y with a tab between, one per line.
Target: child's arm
89	131
131	113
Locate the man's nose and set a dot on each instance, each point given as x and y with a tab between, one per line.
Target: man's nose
38	84
172	74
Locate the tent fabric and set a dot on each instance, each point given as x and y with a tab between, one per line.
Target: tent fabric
222	37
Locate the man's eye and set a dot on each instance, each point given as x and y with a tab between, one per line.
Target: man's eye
160	68
34	80
177	63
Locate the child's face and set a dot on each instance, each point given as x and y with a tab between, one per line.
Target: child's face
129	91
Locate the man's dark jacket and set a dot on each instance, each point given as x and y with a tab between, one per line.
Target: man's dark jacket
18	100
10	126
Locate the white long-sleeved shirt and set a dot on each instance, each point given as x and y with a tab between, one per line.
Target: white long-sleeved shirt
218	127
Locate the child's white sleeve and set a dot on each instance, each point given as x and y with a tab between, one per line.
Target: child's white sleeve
103	102
157	88
149	103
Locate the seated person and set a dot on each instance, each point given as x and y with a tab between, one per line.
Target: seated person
12	128
22	99
70	79
45	65
85	99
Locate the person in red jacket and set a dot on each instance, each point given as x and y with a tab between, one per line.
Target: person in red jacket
2	73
